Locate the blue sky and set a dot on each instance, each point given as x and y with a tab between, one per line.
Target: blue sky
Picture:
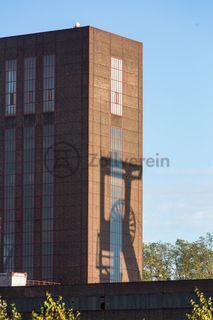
178	96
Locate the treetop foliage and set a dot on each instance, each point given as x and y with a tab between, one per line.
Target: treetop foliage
181	261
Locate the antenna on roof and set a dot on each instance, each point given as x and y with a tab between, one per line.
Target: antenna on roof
77	25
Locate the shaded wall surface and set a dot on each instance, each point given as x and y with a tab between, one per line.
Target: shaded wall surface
165	300
50	224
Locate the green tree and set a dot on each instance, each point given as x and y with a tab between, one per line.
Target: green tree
14	315
193	260
158	261
55	310
203	309
183	260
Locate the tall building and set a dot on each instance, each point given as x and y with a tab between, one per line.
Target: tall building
70	156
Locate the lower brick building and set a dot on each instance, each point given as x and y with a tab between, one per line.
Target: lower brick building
163	300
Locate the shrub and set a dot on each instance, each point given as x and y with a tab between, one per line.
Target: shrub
14	315
203	309
55	310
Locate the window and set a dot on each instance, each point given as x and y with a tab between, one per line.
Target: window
28	200
12	100
116	211
10	92
29	84
48	83
9	198
116	86
47	202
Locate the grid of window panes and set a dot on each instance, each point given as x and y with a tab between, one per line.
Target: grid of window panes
116	205
28	200
116	86
47	202
10	91
9	198
48	83
29	84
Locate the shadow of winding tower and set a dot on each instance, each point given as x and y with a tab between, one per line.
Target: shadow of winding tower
106	259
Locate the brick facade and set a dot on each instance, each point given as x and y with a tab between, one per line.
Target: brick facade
81	120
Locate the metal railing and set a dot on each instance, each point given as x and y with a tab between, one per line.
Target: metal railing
42	283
